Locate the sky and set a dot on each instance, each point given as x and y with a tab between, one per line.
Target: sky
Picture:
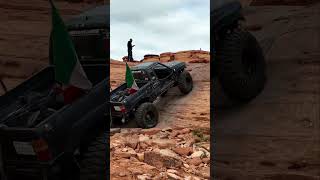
158	26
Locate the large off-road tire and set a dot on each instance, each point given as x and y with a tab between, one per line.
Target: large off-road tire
147	115
93	162
241	66
185	83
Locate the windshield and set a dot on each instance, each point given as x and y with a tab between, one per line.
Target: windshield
162	71
140	75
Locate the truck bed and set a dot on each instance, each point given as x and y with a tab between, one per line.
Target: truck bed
38	86
115	93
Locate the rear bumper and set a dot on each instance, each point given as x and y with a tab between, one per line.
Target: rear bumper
28	164
35	169
29	169
14	164
23	166
118	114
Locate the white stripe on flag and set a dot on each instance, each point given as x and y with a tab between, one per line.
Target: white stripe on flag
79	79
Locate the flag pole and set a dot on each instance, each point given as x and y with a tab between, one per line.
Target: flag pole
51	3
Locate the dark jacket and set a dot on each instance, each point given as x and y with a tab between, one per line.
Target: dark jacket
129	45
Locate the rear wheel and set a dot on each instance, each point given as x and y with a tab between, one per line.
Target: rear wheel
241	66
185	82
93	162
147	115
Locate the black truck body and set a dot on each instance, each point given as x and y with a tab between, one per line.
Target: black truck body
42	138
153	79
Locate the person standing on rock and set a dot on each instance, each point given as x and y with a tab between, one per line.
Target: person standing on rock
130	46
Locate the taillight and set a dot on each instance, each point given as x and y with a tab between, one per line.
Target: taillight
132	90
41	148
122	108
71	93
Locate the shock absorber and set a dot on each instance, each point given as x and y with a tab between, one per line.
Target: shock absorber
3	86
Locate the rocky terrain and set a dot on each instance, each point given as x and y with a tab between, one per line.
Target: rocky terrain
169	153
192	56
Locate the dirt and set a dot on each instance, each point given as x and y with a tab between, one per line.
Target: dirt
277	135
168	153
24	36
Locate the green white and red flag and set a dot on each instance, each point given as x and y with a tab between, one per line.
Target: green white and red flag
68	70
131	83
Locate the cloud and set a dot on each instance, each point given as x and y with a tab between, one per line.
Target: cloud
159	26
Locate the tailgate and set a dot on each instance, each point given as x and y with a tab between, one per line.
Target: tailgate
19	139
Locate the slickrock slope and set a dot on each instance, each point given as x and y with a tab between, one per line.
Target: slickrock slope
185	56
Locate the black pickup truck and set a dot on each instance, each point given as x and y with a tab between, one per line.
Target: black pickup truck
40	136
153	79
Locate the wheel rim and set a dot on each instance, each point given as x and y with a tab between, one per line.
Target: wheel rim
188	80
249	62
149	118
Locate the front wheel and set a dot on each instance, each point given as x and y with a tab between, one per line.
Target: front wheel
185	82
93	164
241	66
147	115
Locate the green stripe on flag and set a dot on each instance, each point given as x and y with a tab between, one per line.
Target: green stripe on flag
129	77
64	54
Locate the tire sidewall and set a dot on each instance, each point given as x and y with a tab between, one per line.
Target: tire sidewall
184	84
238	85
142	111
